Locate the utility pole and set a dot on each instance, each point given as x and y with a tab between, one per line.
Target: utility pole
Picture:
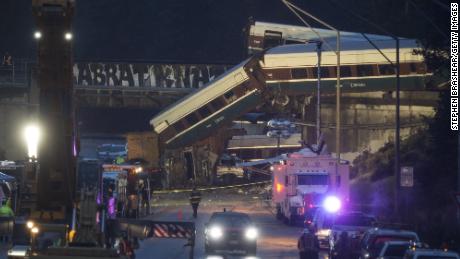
397	70
295	9
56	179
397	137
318	90
318	94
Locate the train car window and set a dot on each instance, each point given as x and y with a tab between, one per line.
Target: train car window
364	70
404	68
298	73
272	39
292	41
345	71
191	118
230	96
412	67
386	70
217	103
421	68
323	70
204	111
179	126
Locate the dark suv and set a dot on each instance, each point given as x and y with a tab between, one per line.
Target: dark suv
374	239
230	232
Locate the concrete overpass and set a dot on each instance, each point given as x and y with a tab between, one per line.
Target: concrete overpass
110	84
153	86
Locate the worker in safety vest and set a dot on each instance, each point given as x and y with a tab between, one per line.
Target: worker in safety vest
195	198
5	210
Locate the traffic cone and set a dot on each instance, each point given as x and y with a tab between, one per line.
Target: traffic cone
179	214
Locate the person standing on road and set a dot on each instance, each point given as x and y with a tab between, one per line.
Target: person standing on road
343	246
195	198
308	245
126	247
5	210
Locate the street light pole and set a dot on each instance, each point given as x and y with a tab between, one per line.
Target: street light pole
397	142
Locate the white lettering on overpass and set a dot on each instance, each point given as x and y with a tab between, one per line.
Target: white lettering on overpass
145	75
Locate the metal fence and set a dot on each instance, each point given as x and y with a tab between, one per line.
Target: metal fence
16	74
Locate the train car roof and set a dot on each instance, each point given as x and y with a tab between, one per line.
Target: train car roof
351	52
355	44
306	33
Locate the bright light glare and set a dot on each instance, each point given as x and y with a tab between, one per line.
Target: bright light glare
215	232
251	233
30	224
32	137
279	187
138	170
68	36
34	230
323	232
332	204
37	35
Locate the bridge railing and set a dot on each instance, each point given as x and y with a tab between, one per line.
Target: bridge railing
15	75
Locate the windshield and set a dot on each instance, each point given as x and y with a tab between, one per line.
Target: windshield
231	220
354	220
379	241
312	179
396	250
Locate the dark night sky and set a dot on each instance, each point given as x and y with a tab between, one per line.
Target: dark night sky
195	31
198	30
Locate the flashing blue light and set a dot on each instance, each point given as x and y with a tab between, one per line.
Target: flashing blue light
332	204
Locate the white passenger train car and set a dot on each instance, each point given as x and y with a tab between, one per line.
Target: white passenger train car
221	100
266	35
363	68
289	70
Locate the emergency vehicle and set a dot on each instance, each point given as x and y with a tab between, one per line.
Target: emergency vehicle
303	180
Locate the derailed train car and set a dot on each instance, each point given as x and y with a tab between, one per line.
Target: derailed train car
288	73
287	70
199	114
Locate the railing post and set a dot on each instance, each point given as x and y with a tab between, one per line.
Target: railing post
13	72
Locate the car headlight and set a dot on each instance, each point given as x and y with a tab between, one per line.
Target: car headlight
251	233
215	232
323	232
